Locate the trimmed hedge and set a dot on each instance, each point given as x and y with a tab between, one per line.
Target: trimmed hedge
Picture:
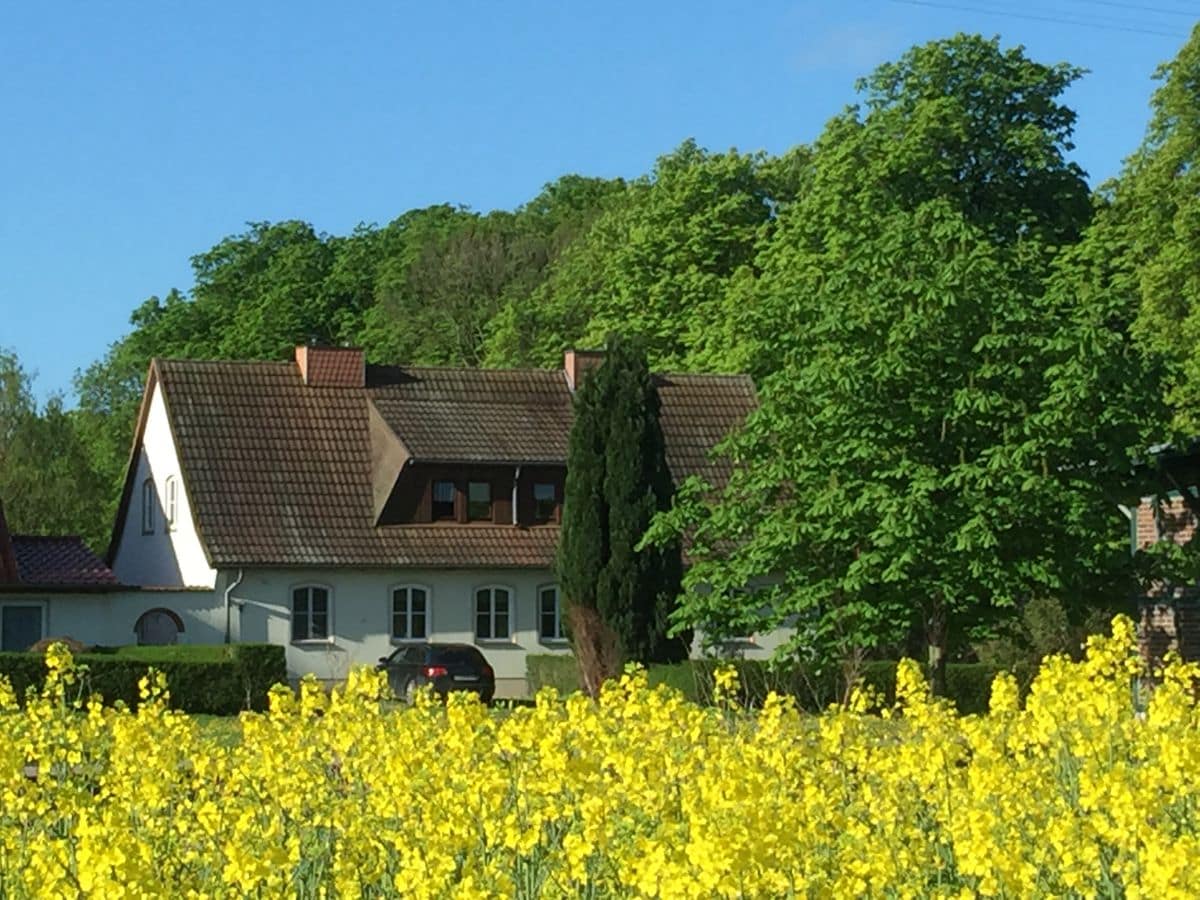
968	685
555	670
214	679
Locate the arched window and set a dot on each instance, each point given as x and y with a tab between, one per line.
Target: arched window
172	502
493	613
410	612
156	627
312	613
149	503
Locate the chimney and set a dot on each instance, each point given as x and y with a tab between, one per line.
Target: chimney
578	362
342	367
8	560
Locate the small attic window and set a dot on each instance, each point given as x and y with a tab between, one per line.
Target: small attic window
545	499
443	501
149	502
479	501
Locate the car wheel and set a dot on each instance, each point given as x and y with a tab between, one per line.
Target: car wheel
410	692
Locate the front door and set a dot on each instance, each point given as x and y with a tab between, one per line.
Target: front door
20	626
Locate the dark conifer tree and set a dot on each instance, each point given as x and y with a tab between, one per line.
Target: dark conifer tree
617	479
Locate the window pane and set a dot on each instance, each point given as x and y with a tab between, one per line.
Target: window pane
501	625
443	500
399	625
300	626
418	601
300	600
543	501
148	503
418	625
548	625
483	601
501	600
479	500
483	625
320	601
320	625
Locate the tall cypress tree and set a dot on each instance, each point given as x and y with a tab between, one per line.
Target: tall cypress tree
617	479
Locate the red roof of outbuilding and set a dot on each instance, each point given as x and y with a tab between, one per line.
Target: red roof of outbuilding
58	562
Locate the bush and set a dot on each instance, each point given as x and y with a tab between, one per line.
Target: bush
215	679
559	671
968	685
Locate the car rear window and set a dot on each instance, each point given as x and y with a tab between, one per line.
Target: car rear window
452	656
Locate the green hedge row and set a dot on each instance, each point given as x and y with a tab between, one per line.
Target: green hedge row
216	679
969	685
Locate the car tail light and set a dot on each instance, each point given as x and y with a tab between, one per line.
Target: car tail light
435	671
487	670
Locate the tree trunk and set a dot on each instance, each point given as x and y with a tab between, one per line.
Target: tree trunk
936	629
597	650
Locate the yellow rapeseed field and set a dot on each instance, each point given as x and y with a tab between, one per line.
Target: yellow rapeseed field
640	794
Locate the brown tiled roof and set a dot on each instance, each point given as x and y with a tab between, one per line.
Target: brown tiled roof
279	473
475	415
59	562
698	412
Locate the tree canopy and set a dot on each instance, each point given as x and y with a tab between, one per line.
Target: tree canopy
962	350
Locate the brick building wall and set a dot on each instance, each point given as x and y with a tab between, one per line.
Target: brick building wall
1169	619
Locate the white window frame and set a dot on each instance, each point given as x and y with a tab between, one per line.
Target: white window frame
171	498
410	587
560	637
511	613
291	607
149	504
29	601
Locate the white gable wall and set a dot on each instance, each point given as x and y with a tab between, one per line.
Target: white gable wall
162	558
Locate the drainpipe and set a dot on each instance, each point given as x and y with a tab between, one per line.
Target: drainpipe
516	479
229	589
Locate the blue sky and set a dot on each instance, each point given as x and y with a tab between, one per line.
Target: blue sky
134	135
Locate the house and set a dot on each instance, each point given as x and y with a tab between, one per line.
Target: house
341	509
57	586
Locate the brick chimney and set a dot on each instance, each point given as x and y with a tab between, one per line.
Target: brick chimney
578	362
342	367
8	560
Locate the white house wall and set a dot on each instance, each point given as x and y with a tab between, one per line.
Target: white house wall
361	617
163	558
109	618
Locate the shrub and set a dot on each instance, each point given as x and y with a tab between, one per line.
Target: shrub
215	679
968	685
559	671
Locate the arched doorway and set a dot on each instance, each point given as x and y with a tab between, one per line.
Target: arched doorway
156	627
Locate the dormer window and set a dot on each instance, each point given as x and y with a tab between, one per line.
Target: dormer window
545	500
149	502
479	501
443	501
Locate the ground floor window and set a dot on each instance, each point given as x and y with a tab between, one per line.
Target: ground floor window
310	613
492	606
21	625
410	613
550	619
